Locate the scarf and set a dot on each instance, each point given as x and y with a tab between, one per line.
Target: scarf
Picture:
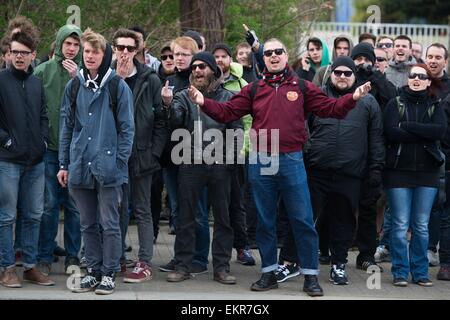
277	77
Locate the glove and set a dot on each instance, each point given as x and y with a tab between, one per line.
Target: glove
251	38
374	178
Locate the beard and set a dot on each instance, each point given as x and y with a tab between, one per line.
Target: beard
203	85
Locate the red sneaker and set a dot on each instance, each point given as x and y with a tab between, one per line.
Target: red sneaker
141	272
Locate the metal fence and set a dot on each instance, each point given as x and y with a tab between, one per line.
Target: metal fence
424	34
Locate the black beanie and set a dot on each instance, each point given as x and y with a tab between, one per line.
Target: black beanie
363	49
344	61
222	46
195	36
209	59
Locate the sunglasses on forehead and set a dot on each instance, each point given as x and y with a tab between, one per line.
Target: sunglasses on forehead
120	47
339	73
201	66
421	76
165	56
278	52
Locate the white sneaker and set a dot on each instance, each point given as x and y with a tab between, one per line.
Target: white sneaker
382	255
433	258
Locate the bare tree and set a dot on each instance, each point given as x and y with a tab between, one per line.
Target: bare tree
204	16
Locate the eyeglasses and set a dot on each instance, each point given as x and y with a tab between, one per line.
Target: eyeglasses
421	76
182	54
386	45
339	73
120	47
165	56
278	52
22	53
201	66
381	59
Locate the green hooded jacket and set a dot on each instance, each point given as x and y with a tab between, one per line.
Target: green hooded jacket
54	78
235	83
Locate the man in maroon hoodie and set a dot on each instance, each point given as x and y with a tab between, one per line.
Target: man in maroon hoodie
278	109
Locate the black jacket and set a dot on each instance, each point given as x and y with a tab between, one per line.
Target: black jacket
23	117
351	145
149	122
411	140
185	114
382	89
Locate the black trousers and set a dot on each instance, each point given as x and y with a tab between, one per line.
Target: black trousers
237	211
366	236
156	203
191	181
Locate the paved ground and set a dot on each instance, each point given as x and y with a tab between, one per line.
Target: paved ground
203	287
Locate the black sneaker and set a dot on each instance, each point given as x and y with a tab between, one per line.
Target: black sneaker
59	252
338	275
287	271
89	282
311	286
107	285
364	265
267	281
168	267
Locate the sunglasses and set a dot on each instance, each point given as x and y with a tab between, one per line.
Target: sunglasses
421	76
201	66
165	56
22	53
278	52
339	73
120	47
380	59
386	45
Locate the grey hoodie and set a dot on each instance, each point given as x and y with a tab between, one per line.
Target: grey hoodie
321	77
397	73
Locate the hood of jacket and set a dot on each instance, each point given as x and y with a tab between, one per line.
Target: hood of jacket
401	66
341	38
63	33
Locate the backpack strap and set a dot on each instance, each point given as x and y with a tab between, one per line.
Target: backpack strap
113	90
73	95
401	107
253	89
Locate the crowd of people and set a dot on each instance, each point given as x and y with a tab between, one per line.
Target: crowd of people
347	147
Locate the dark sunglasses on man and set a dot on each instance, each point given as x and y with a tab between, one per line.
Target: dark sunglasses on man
165	56
339	73
381	59
120	47
278	52
386	45
201	66
421	76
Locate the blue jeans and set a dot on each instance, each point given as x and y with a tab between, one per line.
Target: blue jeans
100	206
290	180
21	188
410	207
202	236
55	196
387	224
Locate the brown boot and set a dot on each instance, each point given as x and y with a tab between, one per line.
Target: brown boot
33	275
10	278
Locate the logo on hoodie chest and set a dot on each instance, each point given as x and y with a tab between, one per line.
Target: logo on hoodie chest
292	96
